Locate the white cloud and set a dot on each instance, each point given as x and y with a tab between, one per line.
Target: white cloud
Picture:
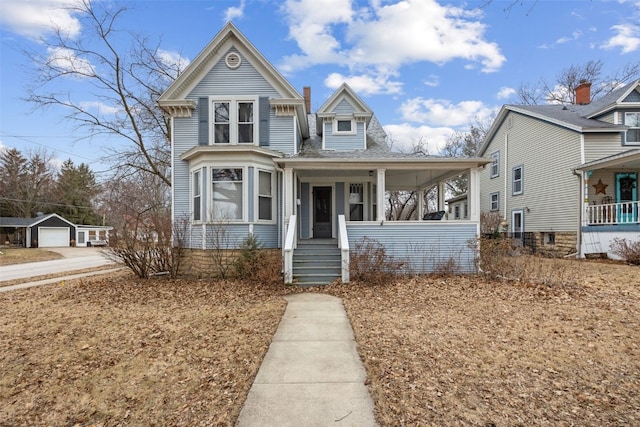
364	84
405	136
233	12
3	147
627	38
99	107
173	59
441	112
505	92
66	59
37	18
574	36
382	38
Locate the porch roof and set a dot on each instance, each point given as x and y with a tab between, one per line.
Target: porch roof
629	159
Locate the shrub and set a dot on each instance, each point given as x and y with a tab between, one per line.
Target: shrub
370	263
628	250
256	264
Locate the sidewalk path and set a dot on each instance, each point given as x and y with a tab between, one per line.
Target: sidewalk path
57	279
312	374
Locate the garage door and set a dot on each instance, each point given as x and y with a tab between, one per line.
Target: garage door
53	237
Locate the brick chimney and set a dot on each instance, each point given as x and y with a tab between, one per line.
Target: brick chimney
583	93
306	93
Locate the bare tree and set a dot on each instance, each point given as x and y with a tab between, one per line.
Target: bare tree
562	89
125	83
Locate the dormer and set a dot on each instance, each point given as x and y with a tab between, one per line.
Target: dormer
342	121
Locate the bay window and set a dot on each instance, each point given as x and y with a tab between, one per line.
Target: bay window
226	194
197	195
265	196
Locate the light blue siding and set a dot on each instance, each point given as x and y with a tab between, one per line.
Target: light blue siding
423	247
344	107
267	235
340	198
344	142
282	136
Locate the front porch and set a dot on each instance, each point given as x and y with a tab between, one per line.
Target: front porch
347	201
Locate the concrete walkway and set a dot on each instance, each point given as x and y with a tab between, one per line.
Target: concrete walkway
312	374
57	279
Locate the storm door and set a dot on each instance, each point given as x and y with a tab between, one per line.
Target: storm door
626	193
322	212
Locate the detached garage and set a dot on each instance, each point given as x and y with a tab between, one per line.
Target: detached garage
46	231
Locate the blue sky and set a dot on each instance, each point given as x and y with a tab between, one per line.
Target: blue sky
426	68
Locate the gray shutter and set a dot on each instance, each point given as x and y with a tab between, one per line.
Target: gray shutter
264	110
203	121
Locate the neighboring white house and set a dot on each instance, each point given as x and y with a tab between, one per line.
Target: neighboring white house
566	176
249	154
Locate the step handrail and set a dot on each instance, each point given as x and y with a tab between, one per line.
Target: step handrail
343	244
289	246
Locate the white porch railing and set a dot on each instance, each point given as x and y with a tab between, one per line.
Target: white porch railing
343	244
289	245
613	214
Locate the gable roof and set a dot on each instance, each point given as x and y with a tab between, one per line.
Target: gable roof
29	222
345	92
579	118
174	100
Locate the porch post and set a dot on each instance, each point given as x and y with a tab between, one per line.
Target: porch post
420	204
440	195
473	196
288	200
380	189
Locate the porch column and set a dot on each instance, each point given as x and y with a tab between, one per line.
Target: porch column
288	199
473	195
380	187
420	204
441	195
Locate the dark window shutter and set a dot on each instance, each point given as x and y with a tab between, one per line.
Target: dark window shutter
264	109
203	121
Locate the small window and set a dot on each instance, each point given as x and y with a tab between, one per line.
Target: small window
549	238
465	214
456	211
633	133
495	164
344	126
265	196
494	203
197	194
517	180
245	122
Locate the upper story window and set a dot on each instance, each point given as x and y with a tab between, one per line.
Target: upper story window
234	121
344	126
633	121
226	194
495	164
517	180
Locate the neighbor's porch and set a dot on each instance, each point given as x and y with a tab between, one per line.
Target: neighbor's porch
611	207
348	201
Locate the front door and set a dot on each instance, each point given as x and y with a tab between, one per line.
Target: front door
627	192
322	212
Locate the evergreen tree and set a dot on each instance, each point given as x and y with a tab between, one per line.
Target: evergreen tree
76	188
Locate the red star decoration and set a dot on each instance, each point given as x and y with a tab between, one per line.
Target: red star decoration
600	187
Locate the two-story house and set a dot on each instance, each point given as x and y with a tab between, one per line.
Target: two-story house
248	155
566	176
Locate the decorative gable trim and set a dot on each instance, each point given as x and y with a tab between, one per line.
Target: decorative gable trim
286	107
178	108
227	38
362	113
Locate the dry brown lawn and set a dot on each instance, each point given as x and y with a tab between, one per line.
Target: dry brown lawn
438	351
21	255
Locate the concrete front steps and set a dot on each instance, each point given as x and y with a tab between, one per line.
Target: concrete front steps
316	262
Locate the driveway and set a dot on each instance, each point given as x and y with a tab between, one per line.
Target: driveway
74	259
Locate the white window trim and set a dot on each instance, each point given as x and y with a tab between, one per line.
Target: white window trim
497	208
632	143
513	180
245	190
365	199
353	131
495	156
192	196
257	197
233	119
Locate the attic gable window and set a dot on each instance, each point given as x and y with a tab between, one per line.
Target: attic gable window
344	126
633	121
